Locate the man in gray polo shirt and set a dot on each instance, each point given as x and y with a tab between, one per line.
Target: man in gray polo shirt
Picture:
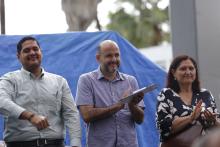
37	105
109	122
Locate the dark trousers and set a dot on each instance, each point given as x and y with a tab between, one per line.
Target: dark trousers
48	145
37	143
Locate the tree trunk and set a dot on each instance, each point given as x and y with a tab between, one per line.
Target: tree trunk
80	13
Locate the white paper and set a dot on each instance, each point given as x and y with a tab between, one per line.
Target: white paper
135	93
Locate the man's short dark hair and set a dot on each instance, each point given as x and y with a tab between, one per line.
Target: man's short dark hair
19	45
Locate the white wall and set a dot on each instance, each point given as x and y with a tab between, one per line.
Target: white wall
161	55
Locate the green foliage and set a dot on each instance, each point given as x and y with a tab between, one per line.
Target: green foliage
142	27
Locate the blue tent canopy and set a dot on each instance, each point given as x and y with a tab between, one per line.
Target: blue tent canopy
72	54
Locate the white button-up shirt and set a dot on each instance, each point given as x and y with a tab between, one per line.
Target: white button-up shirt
48	95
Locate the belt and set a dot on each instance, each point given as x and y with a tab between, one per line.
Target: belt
35	143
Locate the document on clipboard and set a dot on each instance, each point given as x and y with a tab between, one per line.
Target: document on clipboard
135	93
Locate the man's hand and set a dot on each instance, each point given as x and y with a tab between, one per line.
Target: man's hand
119	105
137	99
39	121
136	111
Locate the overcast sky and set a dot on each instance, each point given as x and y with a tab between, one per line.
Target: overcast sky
46	16
43	16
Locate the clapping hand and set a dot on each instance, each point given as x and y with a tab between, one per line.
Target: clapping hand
197	111
137	98
209	116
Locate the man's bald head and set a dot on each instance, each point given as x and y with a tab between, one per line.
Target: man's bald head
108	56
107	44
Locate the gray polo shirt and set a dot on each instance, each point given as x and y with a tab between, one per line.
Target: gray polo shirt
49	95
117	130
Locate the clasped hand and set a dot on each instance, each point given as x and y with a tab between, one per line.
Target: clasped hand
39	121
205	115
209	117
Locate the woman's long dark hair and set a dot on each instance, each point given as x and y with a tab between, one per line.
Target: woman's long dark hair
172	83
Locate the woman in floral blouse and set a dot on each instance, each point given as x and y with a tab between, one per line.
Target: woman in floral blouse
183	102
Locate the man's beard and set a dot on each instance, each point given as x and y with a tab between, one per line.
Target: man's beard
109	69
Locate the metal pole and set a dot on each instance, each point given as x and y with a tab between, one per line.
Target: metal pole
2	16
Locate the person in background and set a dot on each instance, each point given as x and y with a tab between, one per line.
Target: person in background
183	102
37	105
110	123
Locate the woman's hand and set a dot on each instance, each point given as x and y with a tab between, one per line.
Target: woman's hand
197	111
209	117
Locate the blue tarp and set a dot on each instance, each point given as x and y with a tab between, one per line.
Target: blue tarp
72	54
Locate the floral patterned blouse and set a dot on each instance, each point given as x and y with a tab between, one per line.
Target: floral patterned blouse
170	105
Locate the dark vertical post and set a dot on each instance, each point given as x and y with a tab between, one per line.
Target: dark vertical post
2	16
